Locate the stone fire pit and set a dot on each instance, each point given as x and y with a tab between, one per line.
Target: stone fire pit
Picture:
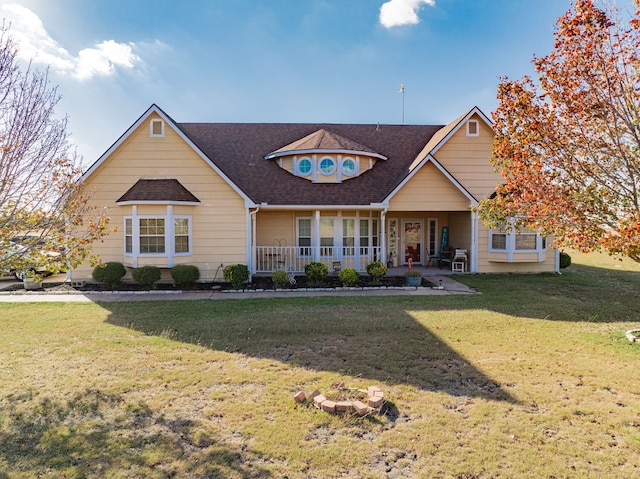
371	404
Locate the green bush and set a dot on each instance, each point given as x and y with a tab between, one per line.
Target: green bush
349	277
146	276
316	273
565	260
236	274
185	275
280	278
110	274
376	270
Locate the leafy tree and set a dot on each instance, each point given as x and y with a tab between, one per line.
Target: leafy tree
41	201
568	145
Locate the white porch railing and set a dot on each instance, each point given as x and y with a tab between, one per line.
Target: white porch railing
295	258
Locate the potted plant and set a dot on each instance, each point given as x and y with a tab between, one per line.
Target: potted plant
413	278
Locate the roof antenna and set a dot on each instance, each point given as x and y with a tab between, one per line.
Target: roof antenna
401	90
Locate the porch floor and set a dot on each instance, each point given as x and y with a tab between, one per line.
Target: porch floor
425	270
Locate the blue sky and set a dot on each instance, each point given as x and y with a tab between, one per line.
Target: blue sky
333	61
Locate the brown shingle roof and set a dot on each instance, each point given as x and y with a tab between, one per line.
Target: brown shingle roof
322	140
239	149
169	190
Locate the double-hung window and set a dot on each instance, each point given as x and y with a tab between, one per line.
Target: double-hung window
152	235
348	237
304	237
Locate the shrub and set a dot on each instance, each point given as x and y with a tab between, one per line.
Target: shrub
236	274
376	270
412	274
185	275
565	260
110	274
146	276
280	278
316	273
349	277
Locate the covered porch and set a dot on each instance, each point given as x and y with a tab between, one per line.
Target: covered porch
289	240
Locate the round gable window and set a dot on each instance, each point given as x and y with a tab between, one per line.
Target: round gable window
327	166
348	167
304	166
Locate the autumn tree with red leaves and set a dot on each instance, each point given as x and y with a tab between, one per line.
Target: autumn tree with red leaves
568	145
46	220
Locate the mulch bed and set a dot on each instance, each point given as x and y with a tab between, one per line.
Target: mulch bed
258	282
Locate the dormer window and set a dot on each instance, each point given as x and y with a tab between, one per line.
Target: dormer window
327	165
304	166
157	128
348	167
325	157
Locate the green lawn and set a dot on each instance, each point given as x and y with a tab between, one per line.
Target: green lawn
531	378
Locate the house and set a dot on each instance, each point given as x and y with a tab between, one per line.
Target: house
278	196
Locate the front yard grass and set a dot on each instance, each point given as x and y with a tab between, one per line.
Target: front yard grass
531	378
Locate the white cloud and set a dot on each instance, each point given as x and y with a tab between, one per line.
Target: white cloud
34	43
395	13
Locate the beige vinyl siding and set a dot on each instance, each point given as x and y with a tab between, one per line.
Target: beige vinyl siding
218	222
496	262
429	190
275	226
467	158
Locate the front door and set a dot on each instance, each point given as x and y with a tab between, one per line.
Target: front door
412	240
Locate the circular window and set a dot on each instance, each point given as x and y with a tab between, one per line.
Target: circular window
348	166
327	166
304	166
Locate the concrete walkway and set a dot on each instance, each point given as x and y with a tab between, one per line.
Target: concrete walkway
449	286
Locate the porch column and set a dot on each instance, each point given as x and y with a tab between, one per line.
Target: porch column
253	244
315	232
250	240
383	237
135	230
170	235
473	263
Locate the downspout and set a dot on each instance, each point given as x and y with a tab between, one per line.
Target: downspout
252	241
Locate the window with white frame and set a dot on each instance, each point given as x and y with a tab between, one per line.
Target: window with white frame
304	237
473	128
157	128
327	239
349	237
152	236
181	236
511	240
128	235
348	167
327	166
304	166
364	237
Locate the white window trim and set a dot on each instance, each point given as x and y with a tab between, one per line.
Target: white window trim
510	248
355	166
169	236
298	247
173	236
300	160
477	124
151	123
333	167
